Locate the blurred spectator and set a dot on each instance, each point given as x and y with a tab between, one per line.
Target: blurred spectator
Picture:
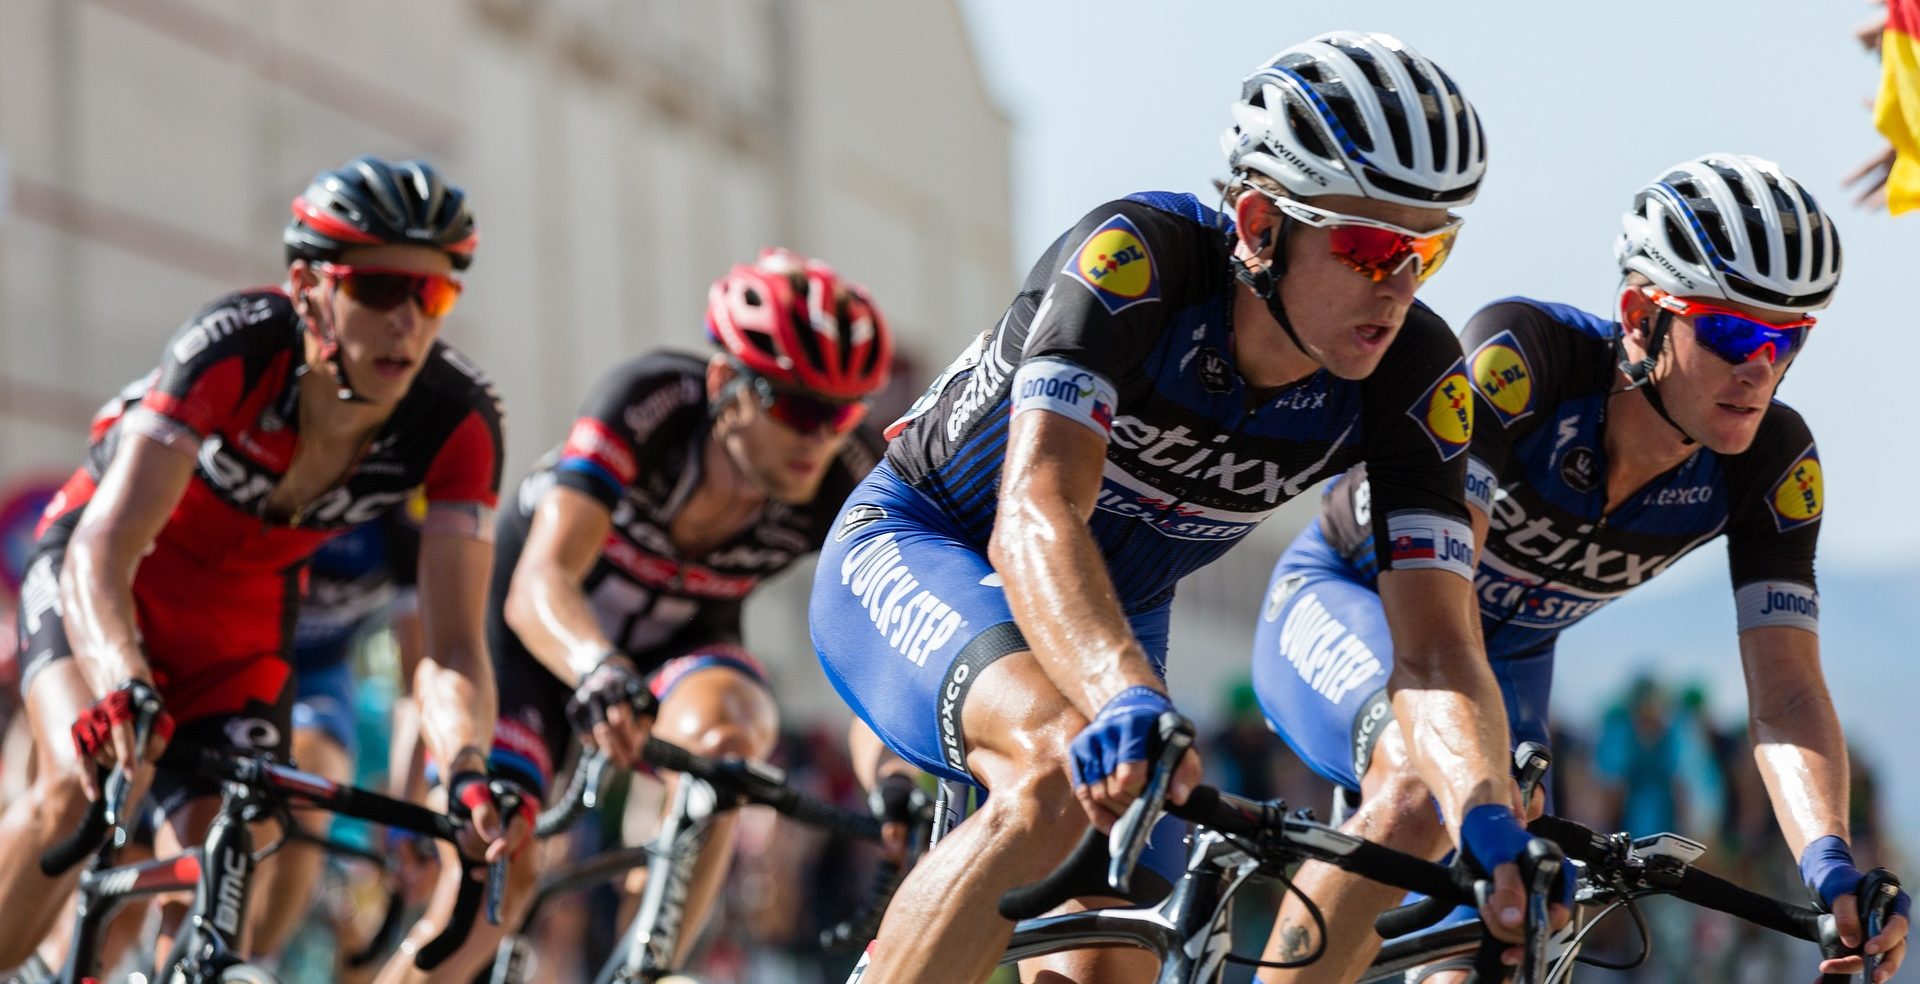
1892	177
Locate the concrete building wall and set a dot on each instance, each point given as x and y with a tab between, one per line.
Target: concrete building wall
620	154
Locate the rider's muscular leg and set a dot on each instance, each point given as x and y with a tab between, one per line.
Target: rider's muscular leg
1396	810
944	925
283	889
716	711
483	938
50	809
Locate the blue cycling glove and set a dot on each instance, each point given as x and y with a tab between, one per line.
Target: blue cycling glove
1122	732
1492	836
1827	868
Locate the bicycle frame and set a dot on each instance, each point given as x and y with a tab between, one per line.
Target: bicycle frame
1191	928
646	950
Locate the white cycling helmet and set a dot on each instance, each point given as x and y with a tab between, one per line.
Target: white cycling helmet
1358	114
1732	227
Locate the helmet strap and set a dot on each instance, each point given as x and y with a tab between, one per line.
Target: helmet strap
1639	372
331	355
1265	283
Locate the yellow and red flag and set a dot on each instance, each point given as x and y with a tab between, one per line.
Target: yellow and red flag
1896	111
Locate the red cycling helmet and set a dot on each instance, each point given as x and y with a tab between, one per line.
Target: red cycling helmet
795	322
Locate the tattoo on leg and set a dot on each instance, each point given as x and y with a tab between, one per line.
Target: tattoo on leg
1295	942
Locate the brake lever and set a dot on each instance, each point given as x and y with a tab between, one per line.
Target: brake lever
1546	861
1129	836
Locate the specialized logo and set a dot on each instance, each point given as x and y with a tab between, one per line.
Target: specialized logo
1799	497
1580	470
1114	263
251	732
1066	389
1329	657
864	514
1445	412
1500	374
914	621
1215	375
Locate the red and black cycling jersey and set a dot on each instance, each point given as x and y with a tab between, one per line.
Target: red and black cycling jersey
221	582
1542	374
1125	325
637	448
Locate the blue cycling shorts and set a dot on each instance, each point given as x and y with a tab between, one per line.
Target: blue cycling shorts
906	613
1322	654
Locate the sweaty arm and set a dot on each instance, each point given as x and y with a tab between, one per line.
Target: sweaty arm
1797	741
138	492
1444	692
1056	580
545	605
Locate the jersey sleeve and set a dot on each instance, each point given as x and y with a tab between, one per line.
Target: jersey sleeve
1514	352
1777	499
1417	417
463	483
206	368
1103	292
602	453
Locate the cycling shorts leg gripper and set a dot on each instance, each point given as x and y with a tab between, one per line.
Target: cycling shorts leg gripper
997	641
1321	656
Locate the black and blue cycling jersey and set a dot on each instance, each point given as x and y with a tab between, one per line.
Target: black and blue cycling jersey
1126	324
1542	375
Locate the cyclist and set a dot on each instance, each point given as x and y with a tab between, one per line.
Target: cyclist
1601	454
628	552
170	564
994	603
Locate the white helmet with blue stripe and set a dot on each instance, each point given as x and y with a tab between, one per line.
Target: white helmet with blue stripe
1358	114
1732	227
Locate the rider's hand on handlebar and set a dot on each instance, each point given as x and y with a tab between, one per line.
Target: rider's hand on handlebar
1112	754
1493	840
900	803
612	709
1828	869
104	734
483	803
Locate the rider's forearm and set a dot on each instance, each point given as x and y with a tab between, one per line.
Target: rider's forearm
96	600
551	615
1797	741
1063	600
1802	756
1456	726
455	693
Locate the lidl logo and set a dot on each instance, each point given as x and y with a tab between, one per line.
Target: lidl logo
1114	263
1445	412
1799	497
1500	374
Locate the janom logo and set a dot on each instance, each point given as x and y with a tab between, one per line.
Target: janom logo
1500	374
1800	495
1450	410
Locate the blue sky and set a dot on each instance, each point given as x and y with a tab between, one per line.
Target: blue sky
1582	103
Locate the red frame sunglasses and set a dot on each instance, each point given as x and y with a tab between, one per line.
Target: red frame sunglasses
1732	335
385	288
802	412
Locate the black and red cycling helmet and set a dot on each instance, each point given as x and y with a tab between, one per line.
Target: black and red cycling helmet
371	202
795	322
